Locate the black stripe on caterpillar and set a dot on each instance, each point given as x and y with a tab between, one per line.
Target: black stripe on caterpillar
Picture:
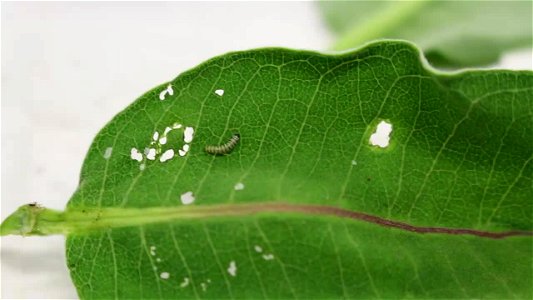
224	148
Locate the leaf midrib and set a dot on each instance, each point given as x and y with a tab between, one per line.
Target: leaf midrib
79	220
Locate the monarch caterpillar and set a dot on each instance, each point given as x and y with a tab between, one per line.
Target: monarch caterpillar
224	148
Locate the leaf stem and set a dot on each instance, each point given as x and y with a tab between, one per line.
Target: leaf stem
379	25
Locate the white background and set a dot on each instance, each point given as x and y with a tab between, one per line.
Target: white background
68	68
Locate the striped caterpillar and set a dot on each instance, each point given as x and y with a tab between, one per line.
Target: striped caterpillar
224	148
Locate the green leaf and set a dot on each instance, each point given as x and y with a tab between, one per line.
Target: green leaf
304	206
451	33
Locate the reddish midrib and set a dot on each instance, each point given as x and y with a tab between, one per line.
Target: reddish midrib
344	213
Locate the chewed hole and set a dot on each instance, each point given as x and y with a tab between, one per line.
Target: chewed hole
108	152
232	269
167	155
239	186
150	153
185	282
166	91
136	155
381	137
268	256
187	198
188	134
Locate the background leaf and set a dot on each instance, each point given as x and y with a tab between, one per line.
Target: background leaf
460	156
451	33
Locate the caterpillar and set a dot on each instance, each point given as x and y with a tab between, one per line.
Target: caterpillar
224	148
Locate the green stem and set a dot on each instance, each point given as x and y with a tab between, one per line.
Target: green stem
36	220
380	25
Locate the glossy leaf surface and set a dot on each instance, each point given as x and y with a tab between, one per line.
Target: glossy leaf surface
460	156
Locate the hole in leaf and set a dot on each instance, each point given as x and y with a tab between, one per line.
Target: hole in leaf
187	198
188	134
166	91
167	155
381	136
232	269
150	153
185	282
268	256
108	152
136	155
